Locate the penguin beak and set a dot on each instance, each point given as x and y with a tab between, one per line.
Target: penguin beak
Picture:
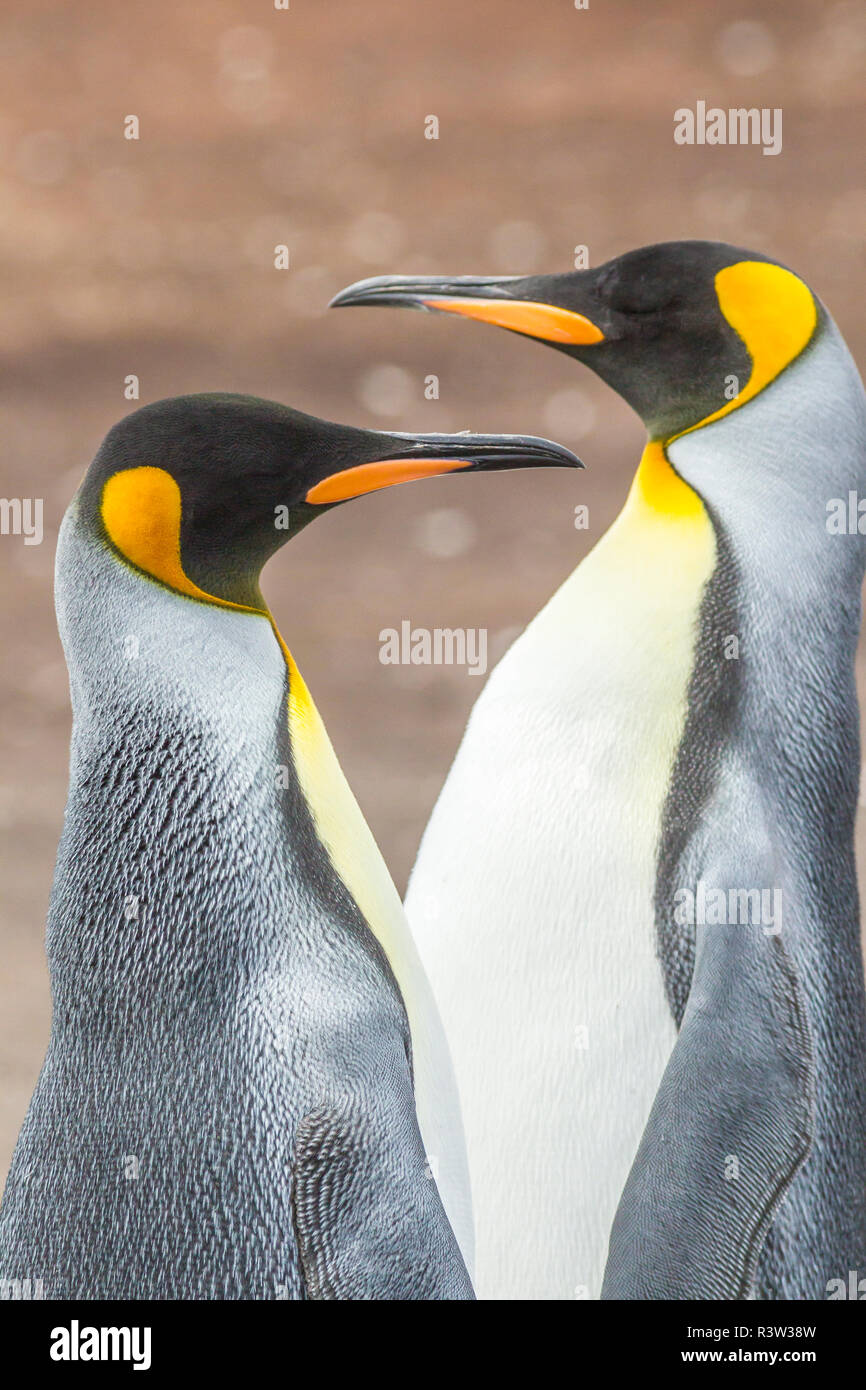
419	456
489	300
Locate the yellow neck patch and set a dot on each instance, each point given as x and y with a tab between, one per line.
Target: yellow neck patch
658	487
775	315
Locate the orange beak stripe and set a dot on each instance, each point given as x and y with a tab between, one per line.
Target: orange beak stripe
524	316
371	477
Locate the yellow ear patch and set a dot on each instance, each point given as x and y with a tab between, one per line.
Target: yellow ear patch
775	315
141	510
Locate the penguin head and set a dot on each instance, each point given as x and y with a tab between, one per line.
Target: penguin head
684	331
199	491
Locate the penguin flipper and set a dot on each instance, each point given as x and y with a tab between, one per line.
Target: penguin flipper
729	1128
368	1217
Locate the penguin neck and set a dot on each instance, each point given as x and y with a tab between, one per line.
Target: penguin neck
178	741
763	477
208	818
789	592
765	474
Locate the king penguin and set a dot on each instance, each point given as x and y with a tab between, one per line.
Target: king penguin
226	1108
636	897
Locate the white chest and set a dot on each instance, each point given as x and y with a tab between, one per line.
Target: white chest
532	902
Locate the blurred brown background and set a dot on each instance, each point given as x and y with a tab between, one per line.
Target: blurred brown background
306	127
